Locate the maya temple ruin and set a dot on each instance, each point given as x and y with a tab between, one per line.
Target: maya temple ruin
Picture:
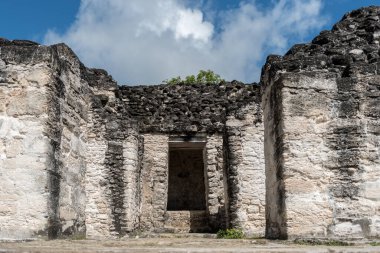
295	156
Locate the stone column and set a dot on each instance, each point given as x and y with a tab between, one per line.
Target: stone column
321	155
246	170
154	182
24	149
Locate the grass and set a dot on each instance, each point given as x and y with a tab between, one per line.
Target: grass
374	243
316	242
230	233
76	237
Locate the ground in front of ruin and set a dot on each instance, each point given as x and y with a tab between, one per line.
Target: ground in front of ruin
188	244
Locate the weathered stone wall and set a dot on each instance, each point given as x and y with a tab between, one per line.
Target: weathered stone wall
186	108
216	186
98	206
196	221
192	110
100	176
297	196
23	146
61	142
44	113
80	155
112	176
67	125
273	132
154	182
246	170
321	133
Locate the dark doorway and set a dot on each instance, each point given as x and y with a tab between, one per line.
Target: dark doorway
186	189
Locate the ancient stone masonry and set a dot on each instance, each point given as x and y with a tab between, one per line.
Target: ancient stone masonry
42	124
321	110
246	172
195	112
103	149
187	108
296	156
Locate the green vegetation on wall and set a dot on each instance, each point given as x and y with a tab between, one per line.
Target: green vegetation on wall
203	77
230	233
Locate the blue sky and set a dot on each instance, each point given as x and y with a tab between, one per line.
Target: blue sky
147	41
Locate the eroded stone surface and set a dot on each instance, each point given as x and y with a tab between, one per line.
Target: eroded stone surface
186	108
80	155
246	172
319	100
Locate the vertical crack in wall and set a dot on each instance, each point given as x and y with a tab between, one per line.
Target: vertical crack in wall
226	180
278	153
54	132
114	162
139	179
233	189
276	217
346	139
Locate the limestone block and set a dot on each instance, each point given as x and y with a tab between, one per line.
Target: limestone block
296	81
8	208
23	202
2	146
348	229
372	190
24	161
27	102
14	148
67	213
10	127
38	75
35	144
374	226
3	100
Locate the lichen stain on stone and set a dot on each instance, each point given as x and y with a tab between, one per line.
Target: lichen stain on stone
294	156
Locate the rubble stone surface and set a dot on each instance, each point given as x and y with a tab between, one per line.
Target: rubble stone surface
321	116
297	156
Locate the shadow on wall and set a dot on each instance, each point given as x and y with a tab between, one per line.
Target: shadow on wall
199	222
276	216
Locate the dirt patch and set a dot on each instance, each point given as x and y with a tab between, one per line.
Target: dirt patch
171	245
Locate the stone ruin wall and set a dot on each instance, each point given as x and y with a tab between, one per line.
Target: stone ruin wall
246	172
154	181
228	117
321	111
113	162
23	146
55	146
43	127
81	156
87	159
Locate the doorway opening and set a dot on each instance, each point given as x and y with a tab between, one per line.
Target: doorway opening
186	190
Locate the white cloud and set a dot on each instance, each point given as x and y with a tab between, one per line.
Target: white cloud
183	22
145	41
190	24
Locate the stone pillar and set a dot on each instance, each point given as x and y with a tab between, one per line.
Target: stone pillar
246	170
24	148
113	174
132	165
154	182
69	98
215	188
321	144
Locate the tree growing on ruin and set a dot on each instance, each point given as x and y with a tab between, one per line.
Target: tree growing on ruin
203	77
